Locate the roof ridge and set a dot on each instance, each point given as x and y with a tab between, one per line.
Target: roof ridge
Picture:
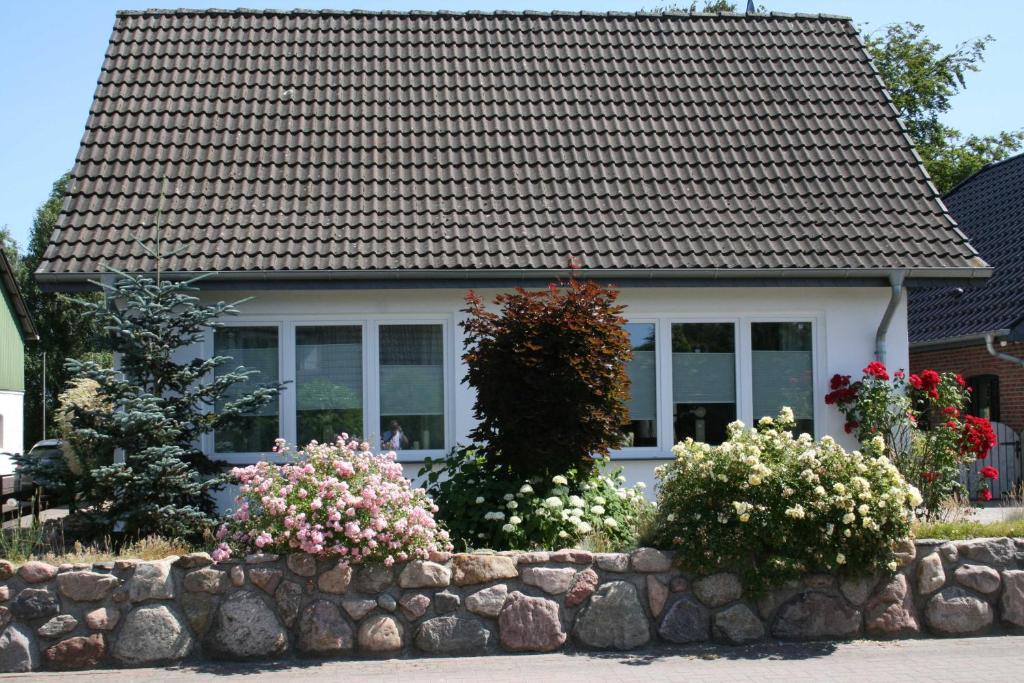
186	11
986	167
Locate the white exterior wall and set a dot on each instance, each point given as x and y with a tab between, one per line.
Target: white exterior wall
13	417
845	320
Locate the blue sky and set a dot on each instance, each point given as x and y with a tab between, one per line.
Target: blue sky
51	52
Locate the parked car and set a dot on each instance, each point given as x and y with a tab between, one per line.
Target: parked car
44	465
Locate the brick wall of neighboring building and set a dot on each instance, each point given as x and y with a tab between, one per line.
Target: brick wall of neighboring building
976	360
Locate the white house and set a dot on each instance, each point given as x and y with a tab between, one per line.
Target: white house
743	179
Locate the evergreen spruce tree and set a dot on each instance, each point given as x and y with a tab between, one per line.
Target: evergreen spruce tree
155	408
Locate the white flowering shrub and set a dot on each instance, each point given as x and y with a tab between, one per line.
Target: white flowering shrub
773	506
484	507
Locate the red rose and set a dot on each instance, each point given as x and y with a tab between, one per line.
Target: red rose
961	381
978	437
899	374
930	475
916	382
985	495
876	370
951	410
839	381
989	472
850	426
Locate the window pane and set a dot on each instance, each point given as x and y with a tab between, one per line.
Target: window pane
255	348
985	396
412	387
328	382
783	371
641	430
703	380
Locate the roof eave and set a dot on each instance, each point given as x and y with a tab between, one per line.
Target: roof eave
27	327
837	276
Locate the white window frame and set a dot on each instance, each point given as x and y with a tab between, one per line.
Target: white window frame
370	325
208	442
655	451
818	361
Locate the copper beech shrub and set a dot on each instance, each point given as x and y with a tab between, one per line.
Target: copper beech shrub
549	369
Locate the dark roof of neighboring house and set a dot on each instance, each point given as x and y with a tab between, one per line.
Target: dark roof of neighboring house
17	302
331	143
990	209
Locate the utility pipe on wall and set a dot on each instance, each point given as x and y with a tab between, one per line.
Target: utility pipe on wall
896	293
990	345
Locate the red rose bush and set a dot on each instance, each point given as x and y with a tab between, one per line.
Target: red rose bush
922	424
332	500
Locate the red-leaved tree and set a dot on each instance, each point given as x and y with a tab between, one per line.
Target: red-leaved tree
549	371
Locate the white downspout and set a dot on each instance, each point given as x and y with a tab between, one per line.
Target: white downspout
896	293
990	345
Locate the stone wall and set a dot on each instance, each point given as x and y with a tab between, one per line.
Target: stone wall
131	613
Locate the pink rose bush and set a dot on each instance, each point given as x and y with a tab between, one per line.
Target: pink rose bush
336	500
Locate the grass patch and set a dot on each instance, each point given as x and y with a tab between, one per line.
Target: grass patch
963	530
46	542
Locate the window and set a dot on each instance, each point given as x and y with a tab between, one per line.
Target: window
328	382
641	430
985	396
703	380
783	366
255	348
411	387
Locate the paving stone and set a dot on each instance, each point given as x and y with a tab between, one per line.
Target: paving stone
573	556
613	619
446	602
857	589
372	578
265	578
194	560
357	609
657	595
199	609
529	624
6	570
998	552
387	602
288	597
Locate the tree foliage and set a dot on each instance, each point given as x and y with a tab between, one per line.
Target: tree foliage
550	377
922	78
155	409
65	329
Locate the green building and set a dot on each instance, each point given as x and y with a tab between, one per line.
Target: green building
16	328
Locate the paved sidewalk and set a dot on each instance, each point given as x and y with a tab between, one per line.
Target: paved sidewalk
989	659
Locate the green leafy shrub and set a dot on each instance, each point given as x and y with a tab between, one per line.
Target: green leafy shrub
773	506
549	372
485	508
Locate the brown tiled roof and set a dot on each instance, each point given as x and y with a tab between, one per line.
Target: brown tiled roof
990	207
347	142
